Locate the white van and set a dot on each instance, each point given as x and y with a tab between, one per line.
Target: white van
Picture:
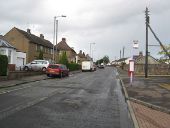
87	66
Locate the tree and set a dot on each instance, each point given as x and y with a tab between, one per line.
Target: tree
41	55
164	57
106	59
63	59
3	65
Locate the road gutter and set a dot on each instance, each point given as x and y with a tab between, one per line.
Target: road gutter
132	114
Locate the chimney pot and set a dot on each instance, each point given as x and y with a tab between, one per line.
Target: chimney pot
64	39
41	36
29	31
141	53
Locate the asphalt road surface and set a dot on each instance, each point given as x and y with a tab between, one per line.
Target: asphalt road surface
83	100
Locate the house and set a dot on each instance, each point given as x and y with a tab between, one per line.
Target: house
140	59
15	57
81	57
30	44
62	46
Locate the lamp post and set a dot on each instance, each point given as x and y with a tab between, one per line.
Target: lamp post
90	48
55	32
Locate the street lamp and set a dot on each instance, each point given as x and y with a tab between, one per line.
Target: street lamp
90	48
55	32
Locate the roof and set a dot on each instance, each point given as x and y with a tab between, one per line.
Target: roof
5	43
122	59
35	39
141	60
81	55
63	46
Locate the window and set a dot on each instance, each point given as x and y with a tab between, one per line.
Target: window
38	47
51	51
9	56
41	48
2	51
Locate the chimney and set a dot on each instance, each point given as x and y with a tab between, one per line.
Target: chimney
64	39
80	52
140	54
41	36
29	31
149	53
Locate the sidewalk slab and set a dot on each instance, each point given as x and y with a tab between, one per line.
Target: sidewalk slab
149	118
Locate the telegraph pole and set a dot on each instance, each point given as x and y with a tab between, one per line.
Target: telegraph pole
146	54
120	54
123	51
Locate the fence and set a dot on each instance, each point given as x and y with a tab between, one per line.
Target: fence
153	69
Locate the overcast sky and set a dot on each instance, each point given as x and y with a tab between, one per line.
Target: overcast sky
110	24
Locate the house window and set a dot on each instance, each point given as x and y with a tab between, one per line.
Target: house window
37	47
41	48
9	56
2	51
51	51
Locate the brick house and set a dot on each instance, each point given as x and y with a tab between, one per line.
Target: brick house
81	57
140	59
30	44
62	46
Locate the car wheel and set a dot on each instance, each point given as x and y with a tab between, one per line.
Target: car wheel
26	68
44	69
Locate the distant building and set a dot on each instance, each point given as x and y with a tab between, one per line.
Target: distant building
15	57
62	46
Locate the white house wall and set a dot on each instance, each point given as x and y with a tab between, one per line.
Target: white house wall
16	57
20	58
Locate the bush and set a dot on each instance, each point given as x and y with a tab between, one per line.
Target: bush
63	59
74	66
3	65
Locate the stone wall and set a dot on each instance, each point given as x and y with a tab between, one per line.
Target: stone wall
153	69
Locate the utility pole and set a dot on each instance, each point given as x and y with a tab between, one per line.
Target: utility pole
146	54
123	51
120	54
54	37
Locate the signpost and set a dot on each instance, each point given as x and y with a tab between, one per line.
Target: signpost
131	70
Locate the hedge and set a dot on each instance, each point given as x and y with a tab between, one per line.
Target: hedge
3	65
74	66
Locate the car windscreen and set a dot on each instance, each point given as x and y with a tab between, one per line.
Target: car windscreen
53	66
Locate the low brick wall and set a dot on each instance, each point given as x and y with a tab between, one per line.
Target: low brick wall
153	69
19	74
11	67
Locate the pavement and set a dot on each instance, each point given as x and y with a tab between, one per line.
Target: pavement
148	99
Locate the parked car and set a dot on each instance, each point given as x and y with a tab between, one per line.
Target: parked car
36	65
57	70
100	66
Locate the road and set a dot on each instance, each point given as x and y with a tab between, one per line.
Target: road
83	100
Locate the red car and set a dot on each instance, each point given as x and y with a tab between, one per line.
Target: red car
57	70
